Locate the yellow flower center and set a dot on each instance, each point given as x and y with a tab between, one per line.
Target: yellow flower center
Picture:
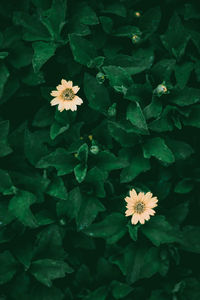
139	207
68	94
137	14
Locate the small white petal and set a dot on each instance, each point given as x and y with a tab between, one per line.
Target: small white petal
69	84
78	100
61	106
55	93
55	101
64	83
134	219
75	89
133	193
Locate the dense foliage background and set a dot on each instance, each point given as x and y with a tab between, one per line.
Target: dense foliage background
64	176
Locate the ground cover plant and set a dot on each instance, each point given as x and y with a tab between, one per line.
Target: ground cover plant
99	150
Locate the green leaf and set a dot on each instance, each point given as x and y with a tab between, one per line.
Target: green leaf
19	206
116	9
120	290
190	240
49	243
71	206
137	165
135	116
184	186
42	292
150	21
107	161
4	147
6	185
4	74
194	117
98	294
96	178
133	231
35	145
46	270
54	18
156	147
8	266
141	60
118	77
180	149
159	231
176	38
57	189
186	96
107	24
182	73
121	136
127	31
33	30
60	159
44	117
89	209
80	172
83	50
96	94
112	228
42	53
86	14
57	129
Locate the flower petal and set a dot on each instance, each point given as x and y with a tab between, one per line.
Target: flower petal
64	83
128	212
55	93
134	219
151	212
133	193
61	106
73	107
69	84
78	100
75	89
60	87
55	101
141	219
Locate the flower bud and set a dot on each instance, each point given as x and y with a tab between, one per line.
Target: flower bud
160	90
135	39
100	77
94	149
112	110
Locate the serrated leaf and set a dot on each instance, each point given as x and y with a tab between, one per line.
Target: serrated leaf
4	74
117	76
159	231
135	116
96	94
60	159
19	206
112	228
42	53
83	50
57	189
89	209
46	270
137	165
186	96
8	266
57	129
156	147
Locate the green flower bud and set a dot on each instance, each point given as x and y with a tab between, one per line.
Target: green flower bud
94	149
100	77
112	110
161	90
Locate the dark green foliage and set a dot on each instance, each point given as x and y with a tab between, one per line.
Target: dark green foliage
64	175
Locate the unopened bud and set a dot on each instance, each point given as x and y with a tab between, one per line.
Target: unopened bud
100	77
94	149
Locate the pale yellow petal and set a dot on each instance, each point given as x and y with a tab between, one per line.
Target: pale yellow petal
141	218
134	219
133	193
60	87
127	199
67	105
151	212
140	196
69	84
73	107
55	93
75	89
128	212
78	100
64	83
61	106
148	196
55	101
